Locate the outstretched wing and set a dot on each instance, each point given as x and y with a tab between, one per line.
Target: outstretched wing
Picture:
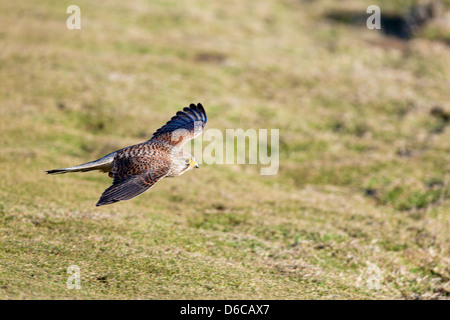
136	169
186	125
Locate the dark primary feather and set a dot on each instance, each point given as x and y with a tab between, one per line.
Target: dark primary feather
185	125
130	187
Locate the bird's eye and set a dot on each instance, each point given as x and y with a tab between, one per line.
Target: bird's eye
187	161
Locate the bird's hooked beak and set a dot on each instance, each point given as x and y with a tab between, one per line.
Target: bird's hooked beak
193	163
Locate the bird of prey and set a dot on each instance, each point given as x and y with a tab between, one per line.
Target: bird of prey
136	168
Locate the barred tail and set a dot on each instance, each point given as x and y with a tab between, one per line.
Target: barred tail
104	164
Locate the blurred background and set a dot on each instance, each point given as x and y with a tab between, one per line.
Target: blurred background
362	194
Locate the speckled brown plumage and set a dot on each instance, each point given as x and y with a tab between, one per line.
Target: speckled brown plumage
136	168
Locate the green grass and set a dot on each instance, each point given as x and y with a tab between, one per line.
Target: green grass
364	161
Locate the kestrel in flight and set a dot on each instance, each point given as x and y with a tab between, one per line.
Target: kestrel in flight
136	168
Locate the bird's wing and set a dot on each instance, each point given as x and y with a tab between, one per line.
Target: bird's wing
135	170
186	125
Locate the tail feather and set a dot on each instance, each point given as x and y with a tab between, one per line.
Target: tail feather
104	164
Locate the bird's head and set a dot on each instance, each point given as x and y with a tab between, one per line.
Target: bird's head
184	161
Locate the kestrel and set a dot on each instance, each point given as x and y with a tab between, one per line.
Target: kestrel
136	168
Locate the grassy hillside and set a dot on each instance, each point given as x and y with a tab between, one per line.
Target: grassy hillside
364	152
